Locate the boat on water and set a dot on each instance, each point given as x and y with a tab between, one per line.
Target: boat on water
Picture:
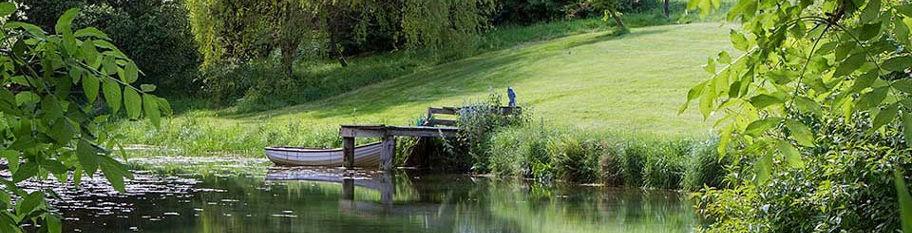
365	156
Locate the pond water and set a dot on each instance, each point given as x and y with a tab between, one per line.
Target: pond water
248	195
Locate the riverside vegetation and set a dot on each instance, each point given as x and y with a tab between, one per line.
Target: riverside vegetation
810	101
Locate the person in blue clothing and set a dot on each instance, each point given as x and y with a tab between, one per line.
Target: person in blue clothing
512	95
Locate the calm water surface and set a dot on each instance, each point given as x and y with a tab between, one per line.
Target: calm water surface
247	195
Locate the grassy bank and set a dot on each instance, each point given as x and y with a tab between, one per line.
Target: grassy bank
612	158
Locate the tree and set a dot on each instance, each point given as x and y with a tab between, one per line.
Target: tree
611	11
234	30
48	128
806	68
141	29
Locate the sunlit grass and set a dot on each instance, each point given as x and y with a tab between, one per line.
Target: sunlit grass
591	80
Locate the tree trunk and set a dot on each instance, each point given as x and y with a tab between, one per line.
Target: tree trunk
288	55
333	45
335	26
666	10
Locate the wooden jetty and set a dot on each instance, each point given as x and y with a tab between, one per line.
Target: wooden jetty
388	135
433	126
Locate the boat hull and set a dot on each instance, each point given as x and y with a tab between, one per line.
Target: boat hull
365	156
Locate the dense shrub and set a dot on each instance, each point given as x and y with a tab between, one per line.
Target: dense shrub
154	33
612	159
633	159
664	167
704	167
477	124
576	159
846	184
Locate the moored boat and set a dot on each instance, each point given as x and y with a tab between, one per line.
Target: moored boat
365	156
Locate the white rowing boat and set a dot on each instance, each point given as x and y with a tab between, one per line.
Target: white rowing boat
365	156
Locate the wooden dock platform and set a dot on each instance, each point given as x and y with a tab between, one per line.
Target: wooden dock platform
388	136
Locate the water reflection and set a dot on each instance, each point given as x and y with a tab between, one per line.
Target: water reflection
221	196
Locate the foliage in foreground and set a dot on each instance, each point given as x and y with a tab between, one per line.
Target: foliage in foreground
50	130
819	108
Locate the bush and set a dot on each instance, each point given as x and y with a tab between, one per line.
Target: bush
705	168
576	159
665	164
477	124
154	33
845	185
633	159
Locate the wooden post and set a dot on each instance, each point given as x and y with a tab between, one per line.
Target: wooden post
348	188
388	152
387	188
348	152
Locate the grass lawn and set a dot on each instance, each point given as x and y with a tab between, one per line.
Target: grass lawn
593	81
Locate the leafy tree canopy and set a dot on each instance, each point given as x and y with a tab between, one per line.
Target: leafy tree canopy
241	30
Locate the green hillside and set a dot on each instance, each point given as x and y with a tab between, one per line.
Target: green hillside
596	81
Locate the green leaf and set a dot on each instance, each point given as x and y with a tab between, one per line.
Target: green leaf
26	170
65	22
758	127
907	128
871	11
27	98
707	102
871	99
870	31
850	64
30	28
89	52
147	87
30	203
53	224
905	200
885	116
12	159
7	8
50	108
904	9
115	172
864	81
710	66
901	31
800	132
150	107
807	105
91	32
764	100
898	64
791	154
132	103
692	94
739	41
724	57
112	94
62	131
165	107
90	87
903	85
764	168
131	72
88	156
